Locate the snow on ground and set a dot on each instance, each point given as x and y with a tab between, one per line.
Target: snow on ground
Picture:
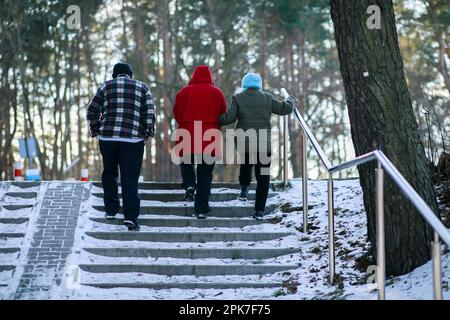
13	228
308	281
12	278
20	213
18	201
3	188
14	188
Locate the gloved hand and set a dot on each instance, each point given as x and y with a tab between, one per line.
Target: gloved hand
293	100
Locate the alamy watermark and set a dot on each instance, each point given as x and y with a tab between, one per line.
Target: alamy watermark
73	277
249	146
372	280
374	20
73	21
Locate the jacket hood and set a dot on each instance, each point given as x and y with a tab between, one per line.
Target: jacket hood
202	74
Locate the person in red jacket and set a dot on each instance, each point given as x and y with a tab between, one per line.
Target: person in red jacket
199	105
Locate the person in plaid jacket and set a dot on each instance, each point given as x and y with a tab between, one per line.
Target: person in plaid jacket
122	117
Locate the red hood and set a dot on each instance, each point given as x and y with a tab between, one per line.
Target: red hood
202	74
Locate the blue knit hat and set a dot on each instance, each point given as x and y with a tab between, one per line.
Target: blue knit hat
252	81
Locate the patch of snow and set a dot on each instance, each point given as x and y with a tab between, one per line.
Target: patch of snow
310	278
24	243
13	228
17	189
21	213
18	201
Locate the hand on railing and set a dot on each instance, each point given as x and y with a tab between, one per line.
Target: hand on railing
291	99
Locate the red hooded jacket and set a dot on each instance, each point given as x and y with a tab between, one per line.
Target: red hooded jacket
199	101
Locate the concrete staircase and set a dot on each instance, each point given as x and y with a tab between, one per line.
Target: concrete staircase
175	250
17	201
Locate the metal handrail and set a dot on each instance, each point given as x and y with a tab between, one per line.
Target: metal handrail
384	164
404	185
313	140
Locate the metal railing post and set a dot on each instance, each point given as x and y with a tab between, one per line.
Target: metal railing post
384	165
305	182
381	255
437	275
331	255
285	152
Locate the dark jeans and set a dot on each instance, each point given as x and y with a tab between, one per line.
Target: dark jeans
263	180
127	156
202	182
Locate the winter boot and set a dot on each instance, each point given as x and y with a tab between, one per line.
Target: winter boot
201	216
259	215
110	216
132	225
189	195
243	195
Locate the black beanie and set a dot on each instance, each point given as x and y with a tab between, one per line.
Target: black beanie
122	68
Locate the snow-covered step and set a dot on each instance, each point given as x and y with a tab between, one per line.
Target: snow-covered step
13	220
16	207
178	197
22	195
177	185
7	267
193	253
8	257
189	269
24	185
5	277
200	237
184	282
8	235
222	211
7	250
183	285
187	222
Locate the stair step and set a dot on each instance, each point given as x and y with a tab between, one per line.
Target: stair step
177	185
185	285
178	197
193	253
200	237
16	207
9	250
26	184
6	268
13	220
11	235
222	211
197	270
187	222
22	195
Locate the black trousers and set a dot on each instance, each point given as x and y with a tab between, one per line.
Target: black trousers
127	156
262	173
200	180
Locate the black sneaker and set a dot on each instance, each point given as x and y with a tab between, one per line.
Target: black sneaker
201	216
259	215
189	195
110	216
243	195
132	225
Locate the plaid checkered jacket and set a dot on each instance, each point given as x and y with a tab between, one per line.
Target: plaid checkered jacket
122	108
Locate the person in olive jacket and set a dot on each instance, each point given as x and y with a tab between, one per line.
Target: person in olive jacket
253	109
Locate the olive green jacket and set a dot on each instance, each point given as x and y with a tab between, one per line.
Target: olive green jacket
253	110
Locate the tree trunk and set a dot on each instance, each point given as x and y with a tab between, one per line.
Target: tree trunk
382	117
167	76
